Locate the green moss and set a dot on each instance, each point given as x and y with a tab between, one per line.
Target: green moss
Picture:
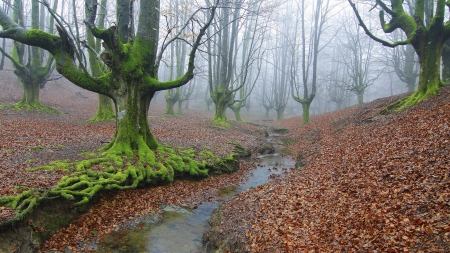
21	187
221	121
100	117
36	148
415	98
34	106
121	171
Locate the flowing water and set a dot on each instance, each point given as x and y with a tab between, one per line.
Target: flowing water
181	230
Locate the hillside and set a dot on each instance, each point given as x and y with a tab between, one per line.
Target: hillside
370	184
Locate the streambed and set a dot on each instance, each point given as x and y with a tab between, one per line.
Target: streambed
181	229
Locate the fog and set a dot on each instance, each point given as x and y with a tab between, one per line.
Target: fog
272	58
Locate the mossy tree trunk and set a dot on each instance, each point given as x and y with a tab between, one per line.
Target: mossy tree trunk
305	117
280	113
179	108
425	31
172	96
105	109
221	100
30	96
237	111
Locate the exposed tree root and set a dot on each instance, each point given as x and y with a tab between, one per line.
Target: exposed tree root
117	169
36	106
410	101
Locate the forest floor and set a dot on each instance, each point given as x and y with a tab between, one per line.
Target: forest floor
370	184
375	184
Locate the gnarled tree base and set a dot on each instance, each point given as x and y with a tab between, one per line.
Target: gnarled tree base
411	100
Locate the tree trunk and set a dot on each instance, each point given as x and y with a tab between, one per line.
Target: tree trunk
280	113
429	75
179	110
171	99
446	62
221	102
105	109
30	98
237	112
169	108
305	107
267	112
360	94
133	132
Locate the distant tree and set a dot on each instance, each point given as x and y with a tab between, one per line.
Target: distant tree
280	89
304	84
265	96
208	100
225	78
32	65
357	56
426	31
185	94
336	93
105	109
405	65
177	12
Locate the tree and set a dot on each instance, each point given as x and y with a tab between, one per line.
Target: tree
178	53
264	98
425	30
251	45
133	59
404	63
403	59
357	58
225	79
280	89
310	48
105	110
185	94
31	64
335	92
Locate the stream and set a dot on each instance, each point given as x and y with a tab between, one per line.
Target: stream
181	230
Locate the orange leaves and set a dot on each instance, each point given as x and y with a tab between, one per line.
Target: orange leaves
379	186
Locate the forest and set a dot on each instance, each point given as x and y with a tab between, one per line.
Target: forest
224	126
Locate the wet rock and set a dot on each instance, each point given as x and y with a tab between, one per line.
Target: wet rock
265	147
279	130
